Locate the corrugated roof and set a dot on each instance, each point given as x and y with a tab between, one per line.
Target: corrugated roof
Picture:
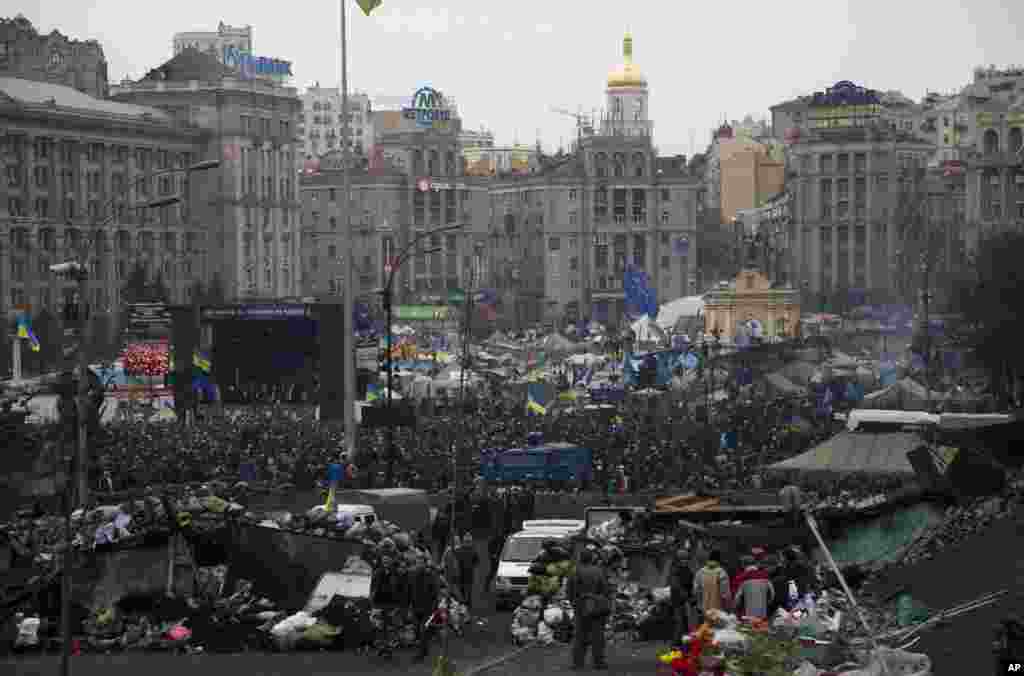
856	453
43	93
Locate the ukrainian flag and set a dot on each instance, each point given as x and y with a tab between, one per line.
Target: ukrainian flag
25	331
201	362
536	399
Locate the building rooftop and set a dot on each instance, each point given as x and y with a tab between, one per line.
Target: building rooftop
31	92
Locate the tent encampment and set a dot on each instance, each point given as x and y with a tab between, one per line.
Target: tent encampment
783	385
681	308
856	453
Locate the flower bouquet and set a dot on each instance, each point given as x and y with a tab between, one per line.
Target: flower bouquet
699	655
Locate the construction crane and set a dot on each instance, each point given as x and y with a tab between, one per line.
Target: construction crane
582	121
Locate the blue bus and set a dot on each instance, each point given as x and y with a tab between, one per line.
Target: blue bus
557	461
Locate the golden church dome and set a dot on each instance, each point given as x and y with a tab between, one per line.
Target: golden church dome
628	74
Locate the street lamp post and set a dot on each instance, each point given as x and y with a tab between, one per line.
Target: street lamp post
78	271
406	253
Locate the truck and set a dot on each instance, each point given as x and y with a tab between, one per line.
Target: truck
556	461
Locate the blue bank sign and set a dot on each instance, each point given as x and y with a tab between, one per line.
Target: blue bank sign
428	109
253	66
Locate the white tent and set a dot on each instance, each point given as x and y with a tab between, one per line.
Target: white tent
646	331
681	308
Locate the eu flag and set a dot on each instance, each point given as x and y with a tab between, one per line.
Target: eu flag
640	297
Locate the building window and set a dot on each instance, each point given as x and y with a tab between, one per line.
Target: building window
332	251
572	195
574	263
665	217
554	244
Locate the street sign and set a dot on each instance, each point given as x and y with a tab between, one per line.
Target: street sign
421	312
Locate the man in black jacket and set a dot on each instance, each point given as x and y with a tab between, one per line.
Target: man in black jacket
468	560
425	591
590	594
681	586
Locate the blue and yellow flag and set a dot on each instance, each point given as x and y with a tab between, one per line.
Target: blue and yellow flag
371	393
201	362
25	332
536	399
369	5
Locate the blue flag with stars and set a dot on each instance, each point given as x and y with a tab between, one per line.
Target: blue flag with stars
640	297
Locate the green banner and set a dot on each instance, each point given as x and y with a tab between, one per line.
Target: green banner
421	313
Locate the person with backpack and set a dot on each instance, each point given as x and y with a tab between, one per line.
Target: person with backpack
711	585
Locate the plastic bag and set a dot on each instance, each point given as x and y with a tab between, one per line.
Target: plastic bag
294	624
28	632
553	616
544	634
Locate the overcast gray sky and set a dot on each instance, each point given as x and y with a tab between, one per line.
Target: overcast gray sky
508	63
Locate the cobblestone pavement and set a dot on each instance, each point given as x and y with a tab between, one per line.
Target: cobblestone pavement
625	658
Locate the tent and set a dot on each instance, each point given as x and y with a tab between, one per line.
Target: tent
784	385
670	313
799	372
646	331
905	394
856	453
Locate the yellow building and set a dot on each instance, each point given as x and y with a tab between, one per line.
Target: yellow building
751	297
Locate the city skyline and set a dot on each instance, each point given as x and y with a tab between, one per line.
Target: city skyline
870	49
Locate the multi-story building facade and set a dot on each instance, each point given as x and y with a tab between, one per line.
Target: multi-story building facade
559	239
73	188
237	37
250	125
851	170
412	185
321	123
53	58
994	153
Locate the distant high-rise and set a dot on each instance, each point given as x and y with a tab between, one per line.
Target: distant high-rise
29	55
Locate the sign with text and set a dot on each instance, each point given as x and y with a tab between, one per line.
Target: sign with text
265	312
368	355
421	312
252	66
428	109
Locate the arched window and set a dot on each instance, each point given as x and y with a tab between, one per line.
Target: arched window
639	114
1016	139
618	109
991	141
638	164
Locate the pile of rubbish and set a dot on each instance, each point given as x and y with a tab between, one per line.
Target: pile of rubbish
366	605
959	524
546	616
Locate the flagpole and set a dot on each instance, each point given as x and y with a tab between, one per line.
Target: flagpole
348	301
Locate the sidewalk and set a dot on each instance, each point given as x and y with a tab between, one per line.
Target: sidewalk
625	658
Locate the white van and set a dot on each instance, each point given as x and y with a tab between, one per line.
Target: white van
517	556
555	524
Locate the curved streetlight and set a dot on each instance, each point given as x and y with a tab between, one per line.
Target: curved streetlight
78	271
407	253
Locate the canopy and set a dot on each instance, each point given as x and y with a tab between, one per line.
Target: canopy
783	385
670	313
856	453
